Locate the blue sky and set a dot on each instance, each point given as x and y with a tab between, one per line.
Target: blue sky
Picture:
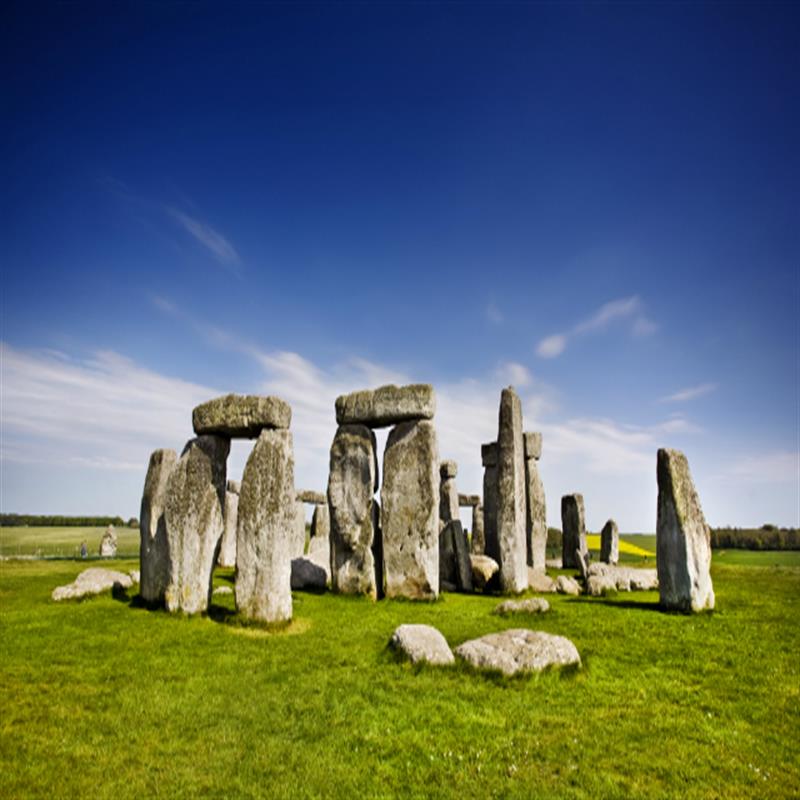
596	203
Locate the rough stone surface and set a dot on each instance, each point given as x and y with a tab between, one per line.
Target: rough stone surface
351	484
135	575
298	544
626	579
388	405
489	454
597	585
92	581
448	498
320	522
455	567
308	575
422	643
194	521
539	582
319	551
108	544
448	469
567	585
519	650
532	605
510	548
267	526
573	526
478	540
533	444
310	496
683	539
153	546
227	548
234	486
535	517
241	416
410	501
581	559
483	570
465	500
609	543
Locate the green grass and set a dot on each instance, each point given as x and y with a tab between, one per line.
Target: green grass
63	542
102	698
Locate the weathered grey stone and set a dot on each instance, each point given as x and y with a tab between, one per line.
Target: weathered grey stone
573	526
267	526
609	543
153	546
683	539
308	575
510	549
448	493
626	579
567	585
539	582
241	416
351	483
386	406
135	575
583	564
532	605
410	501
519	650
298	544
535	517
310	496
108	544
533	444
194	522
455	567
234	486
92	581
422	643
598	585
478	541
321	522
465	500
227	548
319	551
483	570
489	454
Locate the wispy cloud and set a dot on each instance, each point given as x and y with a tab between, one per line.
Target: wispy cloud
494	314
626	308
208	237
689	393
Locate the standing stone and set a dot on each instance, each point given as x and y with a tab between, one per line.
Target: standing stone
455	567
683	539
351	484
511	495
321	522
153	548
478	543
448	493
609	543
573	528
298	543
267	518
108	544
536	512
194	520
489	460
410	501
227	548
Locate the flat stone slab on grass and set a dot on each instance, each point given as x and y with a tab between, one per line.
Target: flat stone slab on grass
241	416
567	585
533	605
422	643
519	650
387	405
92	581
539	582
607	577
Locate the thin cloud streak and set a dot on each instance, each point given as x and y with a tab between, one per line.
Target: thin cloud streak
689	393
208	237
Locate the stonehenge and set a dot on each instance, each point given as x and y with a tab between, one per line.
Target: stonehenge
609	543
153	548
683	539
241	416
489	461
573	524
227	549
449	499
535	508
455	567
386	406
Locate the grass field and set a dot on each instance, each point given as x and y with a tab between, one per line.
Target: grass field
105	699
64	542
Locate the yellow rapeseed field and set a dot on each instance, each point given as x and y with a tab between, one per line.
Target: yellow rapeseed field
593	543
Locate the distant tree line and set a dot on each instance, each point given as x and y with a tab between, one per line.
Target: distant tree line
767	537
60	521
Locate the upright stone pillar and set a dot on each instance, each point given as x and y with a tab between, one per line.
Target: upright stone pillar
478	543
609	543
320	522
511	495
298	544
194	522
536	512
489	461
154	558
410	503
448	493
683	539
573	527
352	481
227	549
267	518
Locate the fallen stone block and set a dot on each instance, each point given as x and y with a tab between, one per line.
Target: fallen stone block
519	650
420	643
